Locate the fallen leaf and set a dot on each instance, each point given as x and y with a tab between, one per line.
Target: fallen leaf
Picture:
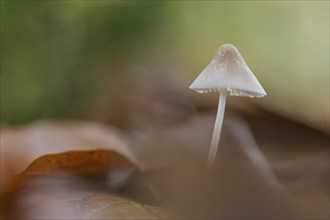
21	146
80	162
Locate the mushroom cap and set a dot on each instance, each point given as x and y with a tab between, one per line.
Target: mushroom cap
228	71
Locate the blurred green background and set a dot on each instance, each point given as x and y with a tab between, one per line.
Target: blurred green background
55	55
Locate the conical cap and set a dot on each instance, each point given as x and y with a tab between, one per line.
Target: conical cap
228	71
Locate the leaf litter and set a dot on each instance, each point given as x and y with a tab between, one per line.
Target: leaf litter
146	168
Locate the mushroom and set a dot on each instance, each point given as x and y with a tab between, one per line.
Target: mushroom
228	74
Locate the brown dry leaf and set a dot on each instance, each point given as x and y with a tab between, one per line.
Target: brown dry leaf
21	146
59	151
76	184
80	162
115	168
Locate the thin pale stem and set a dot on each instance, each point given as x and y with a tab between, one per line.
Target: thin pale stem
217	130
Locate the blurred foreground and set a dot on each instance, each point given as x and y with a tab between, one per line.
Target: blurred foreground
268	166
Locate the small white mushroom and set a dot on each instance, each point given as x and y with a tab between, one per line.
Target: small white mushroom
229	74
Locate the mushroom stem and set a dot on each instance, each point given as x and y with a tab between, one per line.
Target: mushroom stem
217	129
